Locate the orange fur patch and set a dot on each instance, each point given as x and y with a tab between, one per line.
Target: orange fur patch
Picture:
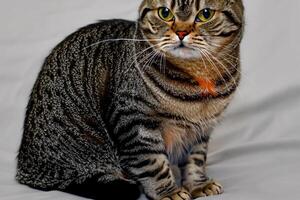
208	86
171	139
177	139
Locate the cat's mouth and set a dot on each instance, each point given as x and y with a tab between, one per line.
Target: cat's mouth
181	45
183	48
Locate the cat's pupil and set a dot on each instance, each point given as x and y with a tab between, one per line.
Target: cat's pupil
165	12
206	13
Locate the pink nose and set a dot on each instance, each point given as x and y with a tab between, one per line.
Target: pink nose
182	34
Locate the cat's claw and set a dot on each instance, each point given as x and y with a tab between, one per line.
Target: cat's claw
181	194
208	188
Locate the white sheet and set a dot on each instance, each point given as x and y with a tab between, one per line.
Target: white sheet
255	152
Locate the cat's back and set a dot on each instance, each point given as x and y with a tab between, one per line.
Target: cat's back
103	40
74	77
81	63
65	108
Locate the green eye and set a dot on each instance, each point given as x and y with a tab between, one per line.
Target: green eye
165	14
205	15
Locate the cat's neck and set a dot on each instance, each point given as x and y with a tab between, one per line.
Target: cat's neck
194	67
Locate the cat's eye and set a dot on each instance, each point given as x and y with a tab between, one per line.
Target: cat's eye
165	14
205	15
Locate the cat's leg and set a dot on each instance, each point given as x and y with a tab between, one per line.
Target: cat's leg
194	177
144	158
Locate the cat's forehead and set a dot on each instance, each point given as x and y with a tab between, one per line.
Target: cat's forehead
184	5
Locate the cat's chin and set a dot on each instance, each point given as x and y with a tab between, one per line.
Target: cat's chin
184	53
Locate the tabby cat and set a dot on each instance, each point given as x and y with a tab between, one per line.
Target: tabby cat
118	103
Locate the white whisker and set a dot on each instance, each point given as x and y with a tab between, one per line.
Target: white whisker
214	67
122	39
224	67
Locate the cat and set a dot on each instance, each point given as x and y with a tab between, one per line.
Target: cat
118	103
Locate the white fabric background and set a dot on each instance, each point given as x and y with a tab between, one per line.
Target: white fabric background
255	152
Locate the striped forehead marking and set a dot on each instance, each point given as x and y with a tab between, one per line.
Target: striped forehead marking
184	7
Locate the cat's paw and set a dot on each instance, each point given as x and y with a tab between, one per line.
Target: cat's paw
208	188
181	194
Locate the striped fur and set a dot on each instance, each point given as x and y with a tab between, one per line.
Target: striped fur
112	104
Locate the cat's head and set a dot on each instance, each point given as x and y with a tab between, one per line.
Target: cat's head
189	29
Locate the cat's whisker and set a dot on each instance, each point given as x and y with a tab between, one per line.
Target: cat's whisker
226	51
222	47
134	62
231	61
226	54
149	60
238	69
164	64
137	55
197	48
159	45
154	58
198	42
166	46
145	59
122	39
223	58
148	56
227	71
161	64
224	67
214	67
205	66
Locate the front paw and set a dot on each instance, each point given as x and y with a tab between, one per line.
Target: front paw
181	194
208	188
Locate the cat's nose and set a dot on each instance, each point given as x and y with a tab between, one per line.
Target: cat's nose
182	34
